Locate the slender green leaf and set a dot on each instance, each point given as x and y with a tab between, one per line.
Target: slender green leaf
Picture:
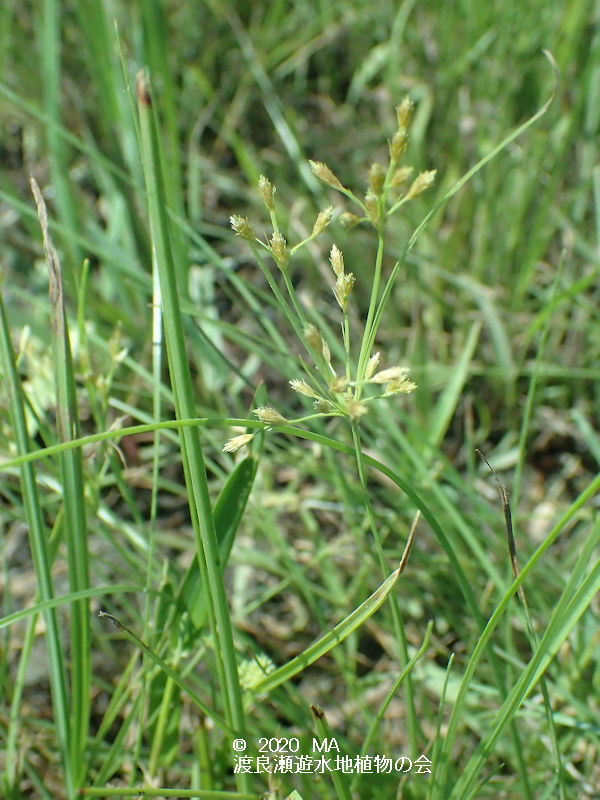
193	459
38	542
228	511
329	640
73	497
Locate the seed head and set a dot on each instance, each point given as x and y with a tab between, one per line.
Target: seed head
326	352
267	191
322	406
270	415
390	374
242	227
355	409
322	221
403	385
343	287
372	207
280	251
235	444
372	365
348	219
316	342
376	179
398	145
337	260
302	387
422	182
338	385
312	336
401	176
404	114
323	172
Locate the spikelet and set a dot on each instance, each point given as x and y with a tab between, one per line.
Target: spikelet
336	260
242	227
302	387
235	444
422	182
267	191
270	415
322	221
324	174
279	250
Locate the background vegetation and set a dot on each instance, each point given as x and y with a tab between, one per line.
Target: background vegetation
494	311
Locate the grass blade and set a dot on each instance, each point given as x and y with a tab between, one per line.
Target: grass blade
193	460
228	512
569	609
331	639
38	544
171	673
73	497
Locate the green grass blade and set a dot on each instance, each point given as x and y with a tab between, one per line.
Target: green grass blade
482	643
438	740
404	673
569	609
61	600
324	732
228	511
329	640
171	673
10	776
96	22
270	99
38	542
74	500
449	398
291	430
193	459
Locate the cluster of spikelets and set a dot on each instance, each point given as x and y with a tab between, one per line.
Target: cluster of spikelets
388	189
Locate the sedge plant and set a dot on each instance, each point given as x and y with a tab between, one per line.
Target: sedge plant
343	377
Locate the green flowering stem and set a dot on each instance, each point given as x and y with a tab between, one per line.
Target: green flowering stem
398	204
346	339
360	464
294	298
372	318
356	200
392	167
298	319
274	222
295	321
